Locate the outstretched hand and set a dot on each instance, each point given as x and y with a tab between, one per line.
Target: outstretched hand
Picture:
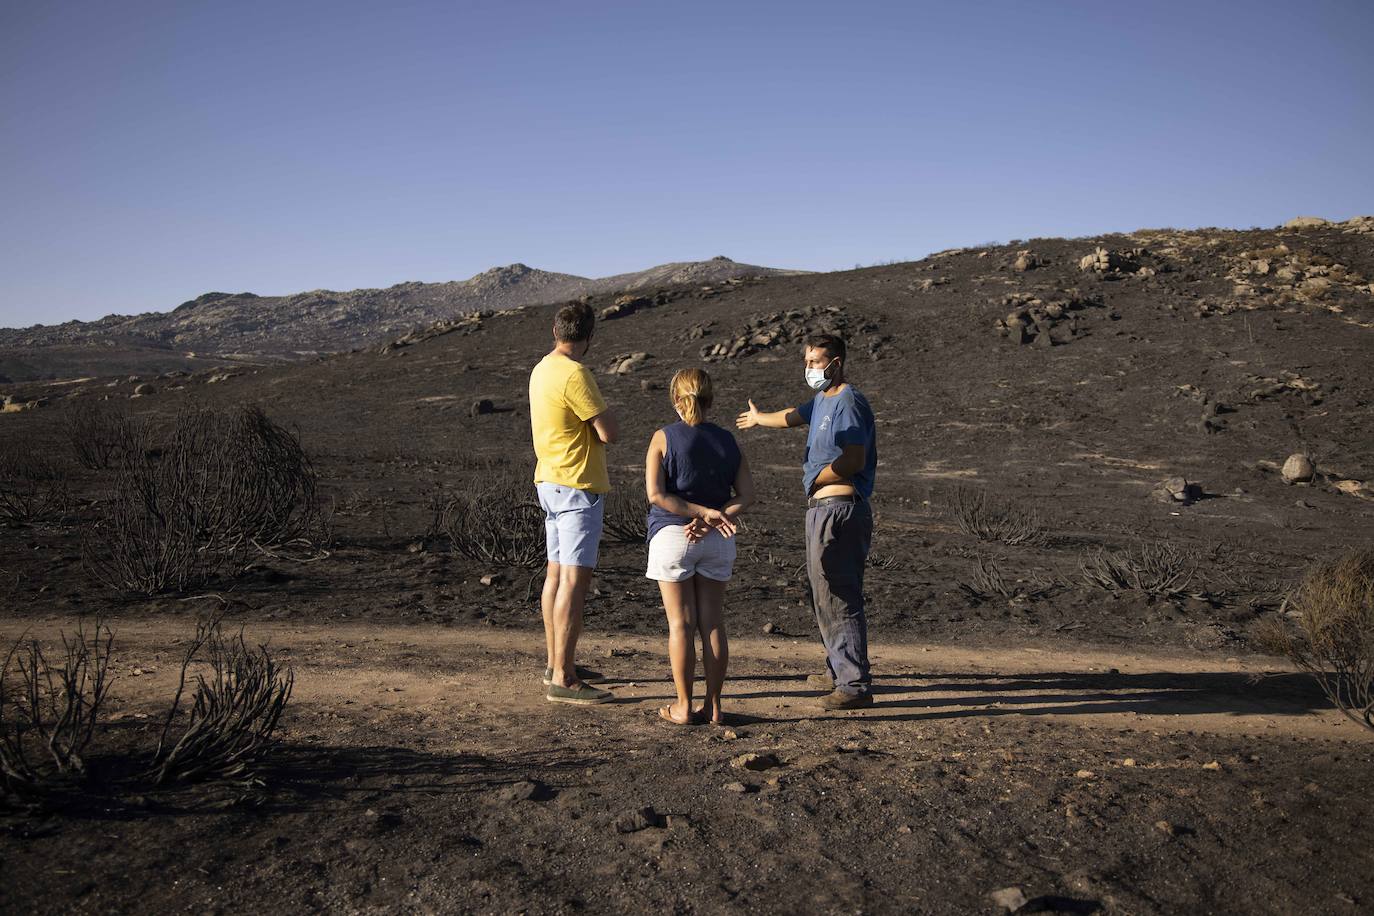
748	419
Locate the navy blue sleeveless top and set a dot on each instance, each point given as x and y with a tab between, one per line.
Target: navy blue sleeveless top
700	464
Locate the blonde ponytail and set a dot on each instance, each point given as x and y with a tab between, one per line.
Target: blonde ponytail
691	393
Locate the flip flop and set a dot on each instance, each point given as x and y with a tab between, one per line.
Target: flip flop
666	716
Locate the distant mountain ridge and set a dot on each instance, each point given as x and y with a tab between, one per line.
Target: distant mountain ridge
217	326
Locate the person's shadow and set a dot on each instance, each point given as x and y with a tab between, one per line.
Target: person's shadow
917	697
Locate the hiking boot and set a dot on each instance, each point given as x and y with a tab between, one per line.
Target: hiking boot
585	675
841	700
579	695
820	682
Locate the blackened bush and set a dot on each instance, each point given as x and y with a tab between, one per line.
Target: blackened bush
235	707
49	708
494	519
33	487
1334	607
626	515
1157	568
191	503
987	580
99	432
987	519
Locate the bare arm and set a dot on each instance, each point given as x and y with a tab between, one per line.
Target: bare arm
656	489
606	426
777	419
744	490
843	468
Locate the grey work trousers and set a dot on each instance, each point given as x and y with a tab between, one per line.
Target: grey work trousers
838	536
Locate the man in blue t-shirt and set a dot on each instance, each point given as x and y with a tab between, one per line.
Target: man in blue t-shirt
837	473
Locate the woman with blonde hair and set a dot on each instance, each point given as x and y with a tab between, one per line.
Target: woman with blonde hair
698	483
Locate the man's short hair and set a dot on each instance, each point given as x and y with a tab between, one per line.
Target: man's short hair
574	322
832	344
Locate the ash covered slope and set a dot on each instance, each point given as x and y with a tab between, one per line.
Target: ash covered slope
1062	366
1172	351
219	326
1071	376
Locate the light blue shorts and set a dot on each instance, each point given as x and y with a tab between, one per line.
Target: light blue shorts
572	524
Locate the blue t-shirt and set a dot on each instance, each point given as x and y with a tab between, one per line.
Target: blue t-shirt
844	419
699	465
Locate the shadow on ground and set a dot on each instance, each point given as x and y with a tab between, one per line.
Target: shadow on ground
953	696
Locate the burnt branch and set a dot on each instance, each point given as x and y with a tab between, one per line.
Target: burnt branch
494	520
979	516
236	704
1156	568
49	709
1334	637
626	519
189	506
33	487
98	433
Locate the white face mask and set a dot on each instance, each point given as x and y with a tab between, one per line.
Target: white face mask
816	377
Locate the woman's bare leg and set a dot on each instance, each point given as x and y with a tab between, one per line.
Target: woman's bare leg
715	648
679	602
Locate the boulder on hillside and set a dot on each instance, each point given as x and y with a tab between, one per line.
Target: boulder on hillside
1178	490
1298	469
625	363
12	404
766	332
1306	222
1314	288
1112	263
623	306
1354	488
1025	260
1042	322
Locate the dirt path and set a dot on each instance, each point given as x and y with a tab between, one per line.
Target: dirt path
421	770
436	671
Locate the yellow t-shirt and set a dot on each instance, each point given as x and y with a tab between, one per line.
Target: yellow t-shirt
563	397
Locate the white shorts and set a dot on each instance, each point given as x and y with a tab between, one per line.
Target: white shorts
672	559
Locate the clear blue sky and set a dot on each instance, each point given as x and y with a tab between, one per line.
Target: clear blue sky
152	151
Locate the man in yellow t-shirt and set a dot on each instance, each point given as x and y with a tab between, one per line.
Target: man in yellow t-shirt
571	427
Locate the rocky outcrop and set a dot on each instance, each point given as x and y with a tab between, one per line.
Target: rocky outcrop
1297	275
623	306
1042	320
1112	264
776	329
625	363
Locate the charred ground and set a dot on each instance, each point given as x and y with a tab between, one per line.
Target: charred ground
1020	374
1152	374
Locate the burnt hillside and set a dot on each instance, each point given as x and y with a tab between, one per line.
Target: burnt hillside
1068	378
